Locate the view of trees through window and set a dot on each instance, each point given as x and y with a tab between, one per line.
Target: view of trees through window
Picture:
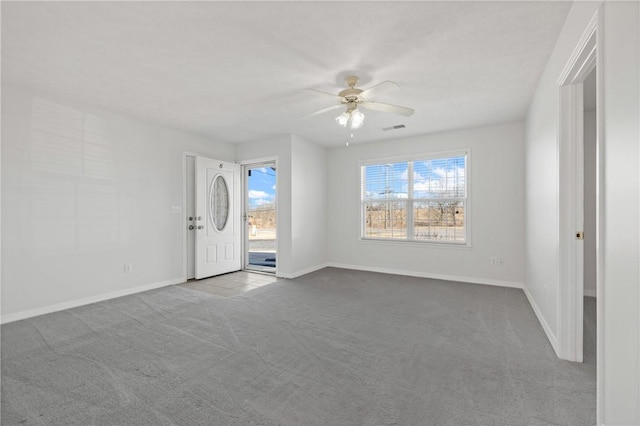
416	200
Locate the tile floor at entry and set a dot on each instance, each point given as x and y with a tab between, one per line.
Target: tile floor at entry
230	284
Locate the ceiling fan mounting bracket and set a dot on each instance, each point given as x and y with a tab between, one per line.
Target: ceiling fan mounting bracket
352	81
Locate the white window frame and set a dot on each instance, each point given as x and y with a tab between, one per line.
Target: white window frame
410	200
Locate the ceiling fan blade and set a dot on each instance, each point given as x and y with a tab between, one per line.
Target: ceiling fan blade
373	91
321	111
320	92
400	110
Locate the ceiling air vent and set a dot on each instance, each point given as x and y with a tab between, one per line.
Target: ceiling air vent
396	127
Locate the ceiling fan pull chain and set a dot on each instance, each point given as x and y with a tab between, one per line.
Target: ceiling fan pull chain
349	135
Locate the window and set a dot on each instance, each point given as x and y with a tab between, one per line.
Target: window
422	199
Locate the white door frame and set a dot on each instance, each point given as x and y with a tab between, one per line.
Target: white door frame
243	182
183	222
586	56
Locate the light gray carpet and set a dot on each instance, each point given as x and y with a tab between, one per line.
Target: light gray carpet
334	347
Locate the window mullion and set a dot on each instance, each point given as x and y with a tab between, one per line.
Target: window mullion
410	234
363	212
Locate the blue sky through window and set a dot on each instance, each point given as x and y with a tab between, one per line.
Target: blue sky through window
261	187
441	177
387	180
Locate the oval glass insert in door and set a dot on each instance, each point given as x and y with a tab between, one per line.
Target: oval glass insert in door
219	203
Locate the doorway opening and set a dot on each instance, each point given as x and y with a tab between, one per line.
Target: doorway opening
260	215
579	184
589	199
580	201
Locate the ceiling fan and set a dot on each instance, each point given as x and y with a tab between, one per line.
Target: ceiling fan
352	97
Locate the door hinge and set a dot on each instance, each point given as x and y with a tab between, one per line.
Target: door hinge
580	235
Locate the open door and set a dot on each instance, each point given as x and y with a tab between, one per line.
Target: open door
260	216
217	220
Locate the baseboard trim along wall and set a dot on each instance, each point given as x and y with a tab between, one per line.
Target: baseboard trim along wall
30	313
543	322
302	272
470	280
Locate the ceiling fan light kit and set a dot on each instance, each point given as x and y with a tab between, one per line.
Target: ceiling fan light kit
343	119
357	119
352	97
351	117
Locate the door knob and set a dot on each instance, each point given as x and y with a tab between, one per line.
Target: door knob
200	226
191	227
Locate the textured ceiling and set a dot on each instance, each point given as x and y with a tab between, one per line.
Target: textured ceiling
233	70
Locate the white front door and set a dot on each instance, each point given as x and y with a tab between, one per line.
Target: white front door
218	232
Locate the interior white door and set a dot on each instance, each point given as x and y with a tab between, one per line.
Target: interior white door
218	232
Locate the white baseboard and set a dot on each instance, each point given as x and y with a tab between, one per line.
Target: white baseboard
302	272
589	293
29	313
471	280
543	322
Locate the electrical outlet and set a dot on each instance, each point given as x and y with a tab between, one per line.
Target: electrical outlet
128	268
500	261
494	261
176	209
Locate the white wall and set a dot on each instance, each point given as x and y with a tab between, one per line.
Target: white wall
621	286
590	203
85	191
496	216
619	362
309	205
